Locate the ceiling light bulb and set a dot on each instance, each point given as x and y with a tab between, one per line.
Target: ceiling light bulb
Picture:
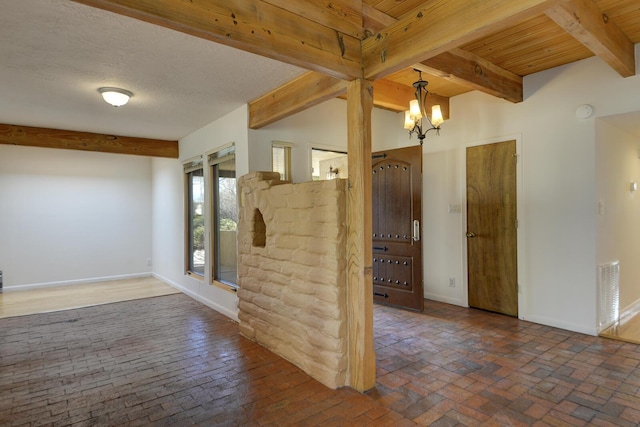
408	121
436	116
414	108
115	96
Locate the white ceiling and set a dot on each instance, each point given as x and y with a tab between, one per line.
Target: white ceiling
55	54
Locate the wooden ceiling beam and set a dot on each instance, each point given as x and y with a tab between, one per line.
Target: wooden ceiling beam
395	97
253	26
297	95
53	138
314	88
439	26
344	16
468	69
586	22
459	66
374	20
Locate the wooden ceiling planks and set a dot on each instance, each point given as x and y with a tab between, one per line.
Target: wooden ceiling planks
625	14
437	85
529	47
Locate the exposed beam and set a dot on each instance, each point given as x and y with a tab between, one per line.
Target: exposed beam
254	26
468	69
297	95
72	140
394	96
439	26
314	88
584	21
374	20
458	66
344	16
362	358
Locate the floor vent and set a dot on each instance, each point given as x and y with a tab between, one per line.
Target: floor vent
608	294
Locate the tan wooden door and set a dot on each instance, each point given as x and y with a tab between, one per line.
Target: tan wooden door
397	212
492	227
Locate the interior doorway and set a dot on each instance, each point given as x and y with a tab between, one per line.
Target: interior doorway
492	222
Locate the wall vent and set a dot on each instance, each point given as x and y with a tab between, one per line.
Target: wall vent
608	294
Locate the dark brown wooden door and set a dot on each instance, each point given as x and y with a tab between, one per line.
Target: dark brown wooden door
492	227
397	212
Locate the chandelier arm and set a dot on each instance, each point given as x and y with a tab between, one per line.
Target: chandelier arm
423	102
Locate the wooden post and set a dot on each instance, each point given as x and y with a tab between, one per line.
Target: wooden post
362	359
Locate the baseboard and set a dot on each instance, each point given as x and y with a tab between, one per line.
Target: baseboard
76	282
445	299
630	310
561	325
217	307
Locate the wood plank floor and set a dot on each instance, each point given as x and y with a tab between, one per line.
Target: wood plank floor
44	300
628	329
173	361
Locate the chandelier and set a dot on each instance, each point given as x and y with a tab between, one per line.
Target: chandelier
413	117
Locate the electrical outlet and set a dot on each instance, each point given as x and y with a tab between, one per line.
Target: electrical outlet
149	262
452	282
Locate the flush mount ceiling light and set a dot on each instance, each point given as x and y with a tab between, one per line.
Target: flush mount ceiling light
115	96
413	117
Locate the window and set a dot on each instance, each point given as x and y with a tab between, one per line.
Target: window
281	159
224	208
195	218
328	164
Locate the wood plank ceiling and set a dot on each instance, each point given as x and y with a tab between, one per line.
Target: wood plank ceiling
544	36
460	45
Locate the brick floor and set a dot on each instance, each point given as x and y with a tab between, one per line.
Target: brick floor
172	361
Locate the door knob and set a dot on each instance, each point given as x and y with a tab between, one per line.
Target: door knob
471	234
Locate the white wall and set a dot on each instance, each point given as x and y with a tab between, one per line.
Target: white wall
557	188
323	126
168	208
556	181
618	232
73	216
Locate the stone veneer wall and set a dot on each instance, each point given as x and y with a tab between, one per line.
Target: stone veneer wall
292	272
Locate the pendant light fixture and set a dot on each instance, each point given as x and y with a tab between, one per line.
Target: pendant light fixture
413	117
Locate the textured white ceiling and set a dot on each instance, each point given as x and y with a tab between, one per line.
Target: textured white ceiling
55	54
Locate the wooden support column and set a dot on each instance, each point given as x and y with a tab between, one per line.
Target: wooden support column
362	360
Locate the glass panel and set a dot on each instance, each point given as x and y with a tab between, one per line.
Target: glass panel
196	221
225	222
326	164
281	161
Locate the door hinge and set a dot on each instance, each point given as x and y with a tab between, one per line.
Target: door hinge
517	223
515	156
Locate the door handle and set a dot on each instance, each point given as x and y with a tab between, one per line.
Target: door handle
471	234
416	230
